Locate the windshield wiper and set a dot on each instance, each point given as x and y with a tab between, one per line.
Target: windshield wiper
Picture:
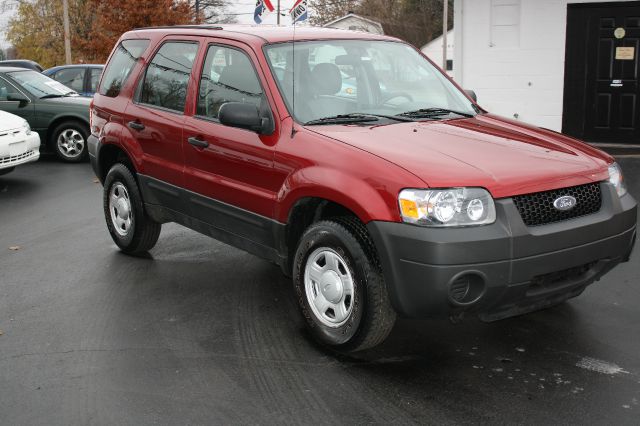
433	112
356	117
52	95
71	93
343	119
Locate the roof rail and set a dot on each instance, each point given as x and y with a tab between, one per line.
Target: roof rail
194	26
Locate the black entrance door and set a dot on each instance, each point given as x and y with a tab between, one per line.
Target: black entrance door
602	72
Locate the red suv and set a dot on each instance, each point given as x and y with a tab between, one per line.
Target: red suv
355	164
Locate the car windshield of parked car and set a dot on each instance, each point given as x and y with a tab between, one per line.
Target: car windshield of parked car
329	78
40	85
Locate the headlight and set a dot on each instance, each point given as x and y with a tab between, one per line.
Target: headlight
616	179
27	128
447	207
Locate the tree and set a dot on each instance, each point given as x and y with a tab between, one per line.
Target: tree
111	18
324	11
213	11
37	33
415	21
36	29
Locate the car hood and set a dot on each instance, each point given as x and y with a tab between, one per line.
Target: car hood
10	121
504	156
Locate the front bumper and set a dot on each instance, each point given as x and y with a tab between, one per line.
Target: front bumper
20	151
505	268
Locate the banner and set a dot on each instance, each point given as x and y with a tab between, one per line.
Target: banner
262	8
299	11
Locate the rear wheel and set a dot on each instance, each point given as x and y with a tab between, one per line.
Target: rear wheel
69	141
339	286
127	221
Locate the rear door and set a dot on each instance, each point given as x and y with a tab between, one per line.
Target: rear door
229	171
155	117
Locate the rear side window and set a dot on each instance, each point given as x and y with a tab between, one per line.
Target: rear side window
94	78
115	76
227	76
72	78
165	83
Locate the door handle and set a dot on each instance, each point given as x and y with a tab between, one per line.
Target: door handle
136	125
198	142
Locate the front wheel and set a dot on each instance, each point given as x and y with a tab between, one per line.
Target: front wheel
339	286
69	141
129	225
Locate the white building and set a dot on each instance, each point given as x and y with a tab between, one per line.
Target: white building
433	50
570	66
354	22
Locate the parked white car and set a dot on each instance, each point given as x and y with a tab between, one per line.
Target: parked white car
18	144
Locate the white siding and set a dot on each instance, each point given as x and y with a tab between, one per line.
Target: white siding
511	52
356	24
433	49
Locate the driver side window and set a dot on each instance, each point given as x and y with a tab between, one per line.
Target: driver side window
227	76
5	90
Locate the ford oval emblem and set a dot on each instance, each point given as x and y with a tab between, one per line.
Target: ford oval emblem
564	203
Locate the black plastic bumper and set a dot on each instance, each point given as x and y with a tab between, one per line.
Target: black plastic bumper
506	268
92	147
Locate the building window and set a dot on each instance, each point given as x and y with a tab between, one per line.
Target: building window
449	64
505	23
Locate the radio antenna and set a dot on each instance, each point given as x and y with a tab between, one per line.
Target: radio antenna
293	83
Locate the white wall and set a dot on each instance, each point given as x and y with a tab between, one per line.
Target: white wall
433	49
511	52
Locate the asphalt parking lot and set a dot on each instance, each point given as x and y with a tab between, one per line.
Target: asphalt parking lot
201	333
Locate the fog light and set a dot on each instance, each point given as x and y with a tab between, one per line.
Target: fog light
466	289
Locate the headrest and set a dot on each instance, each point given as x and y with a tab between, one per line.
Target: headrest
326	79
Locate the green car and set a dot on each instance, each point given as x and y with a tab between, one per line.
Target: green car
57	113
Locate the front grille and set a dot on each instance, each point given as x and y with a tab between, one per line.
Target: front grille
537	209
554	280
14	158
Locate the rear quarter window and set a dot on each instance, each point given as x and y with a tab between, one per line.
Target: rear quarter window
119	68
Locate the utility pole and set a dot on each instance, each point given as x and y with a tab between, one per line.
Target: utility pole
67	41
278	12
197	10
445	27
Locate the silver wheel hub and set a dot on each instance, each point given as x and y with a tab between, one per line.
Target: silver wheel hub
70	143
329	287
120	209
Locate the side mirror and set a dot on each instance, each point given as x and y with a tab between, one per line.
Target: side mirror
472	95
244	116
18	97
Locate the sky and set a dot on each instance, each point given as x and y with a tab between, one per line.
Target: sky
5	15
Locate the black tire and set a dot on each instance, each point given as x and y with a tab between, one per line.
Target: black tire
143	232
371	317
74	134
5	171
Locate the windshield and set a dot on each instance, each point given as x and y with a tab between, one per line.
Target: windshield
40	85
340	77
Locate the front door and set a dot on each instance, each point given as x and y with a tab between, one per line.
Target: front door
602	72
229	171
